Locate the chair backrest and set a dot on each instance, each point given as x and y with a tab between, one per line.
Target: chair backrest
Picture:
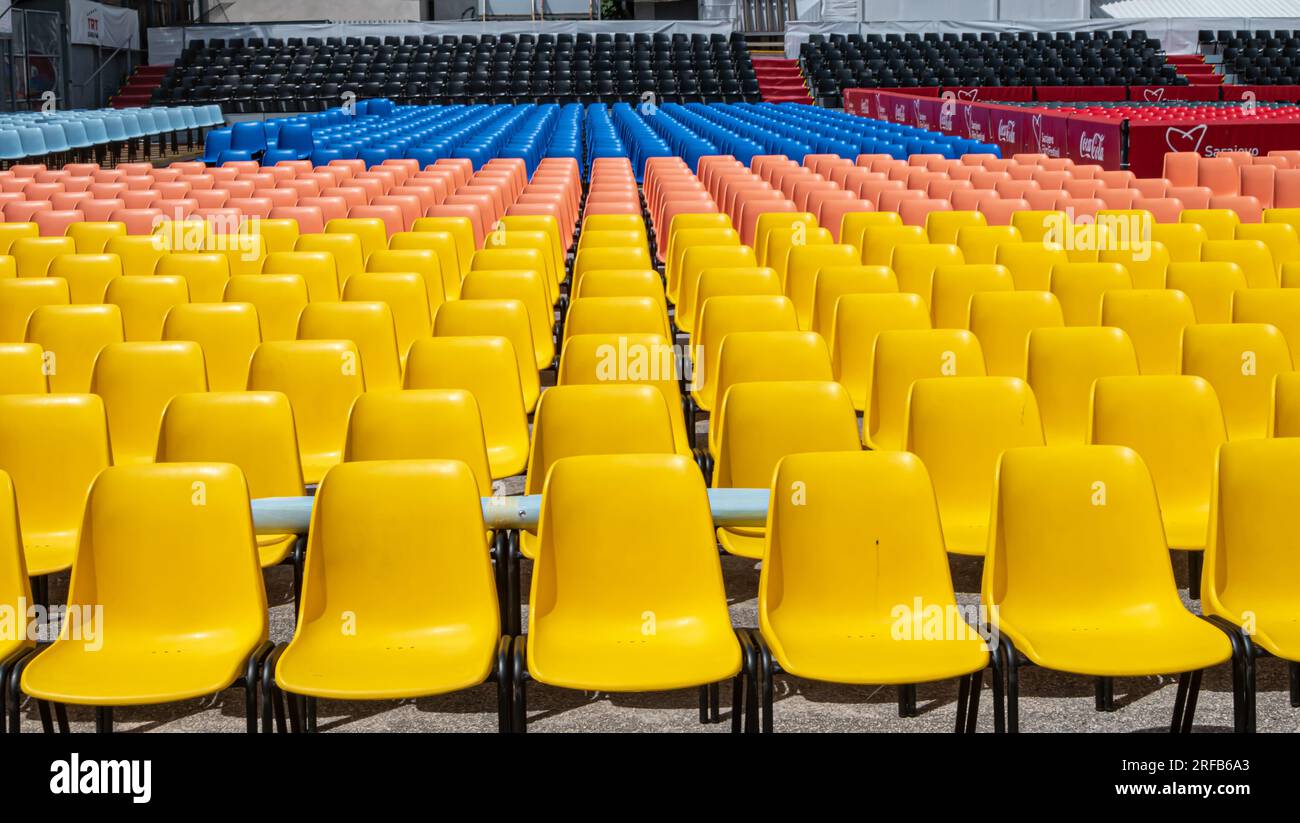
1002	321
904	356
369	325
959	427
1154	320
72	337
317	268
136	382
1062	365
1240	361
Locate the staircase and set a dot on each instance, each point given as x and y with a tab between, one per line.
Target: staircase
1195	69
138	88
781	80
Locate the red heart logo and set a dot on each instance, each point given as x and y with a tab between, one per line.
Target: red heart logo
1154	95
1190	140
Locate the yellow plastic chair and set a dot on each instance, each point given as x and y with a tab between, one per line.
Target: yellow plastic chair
615	222
369	230
1147	267
855	224
278	234
15	585
629	358
959	428
762	422
485	367
52	447
723	316
245	252
1154	320
1080	287
678	243
321	378
251	429
19	297
405	296
1210	287
72	337
33	255
12	232
1079	573
1036	224
1277	307
552	255
136	382
571	420
766	356
460	228
902	357
88	275
1250	563
425	598
625	283
1219	224
1239	360
420	424
22	369
879	242
278	300
1175	426
1062	364
606	258
226	332
139	255
802	268
491	259
698	259
782	240
611	238
1030	264
206	274
653	546
980	244
944	226
771	221
834	282
1182	240
915	264
859	319
441	243
346	249
317	269
144	302
528	286
494	318
600	315
544	223
821	619
1285	418
1280	239
370	326
952	287
1002	321
1251	256
136	517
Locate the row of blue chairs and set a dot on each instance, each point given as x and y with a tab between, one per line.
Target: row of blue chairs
40	134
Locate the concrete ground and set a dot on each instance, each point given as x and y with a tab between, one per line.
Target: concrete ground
1049	701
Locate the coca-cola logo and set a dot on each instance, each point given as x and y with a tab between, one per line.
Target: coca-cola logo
1092	146
900	113
1006	131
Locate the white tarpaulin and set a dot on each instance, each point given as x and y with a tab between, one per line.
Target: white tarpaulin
94	24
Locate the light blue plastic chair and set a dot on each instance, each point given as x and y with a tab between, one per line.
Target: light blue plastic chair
32	140
11	145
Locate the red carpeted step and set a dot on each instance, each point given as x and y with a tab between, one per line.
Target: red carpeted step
781	80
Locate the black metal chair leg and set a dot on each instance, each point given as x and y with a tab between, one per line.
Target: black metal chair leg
104	719
907	700
737	700
972	714
1294	672
47	722
504	689
999	682
1105	694
61	717
1193	691
519	684
1180	700
704	704
1013	690
715	702
963	697
1195	560
311	714
295	713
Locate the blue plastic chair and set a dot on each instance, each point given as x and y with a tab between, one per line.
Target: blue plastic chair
217	142
296	138
248	137
32	140
11	145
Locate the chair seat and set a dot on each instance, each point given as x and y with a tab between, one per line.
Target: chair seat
966	533
48	552
322	663
595	658
506	460
1278	633
874	656
131	671
314	466
744	541
273	548
1142	645
1187	529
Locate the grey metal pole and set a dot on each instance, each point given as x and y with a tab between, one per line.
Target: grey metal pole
730	507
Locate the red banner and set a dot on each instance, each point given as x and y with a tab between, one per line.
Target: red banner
1157	94
1148	142
1096	140
1261	93
1080	94
990	94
